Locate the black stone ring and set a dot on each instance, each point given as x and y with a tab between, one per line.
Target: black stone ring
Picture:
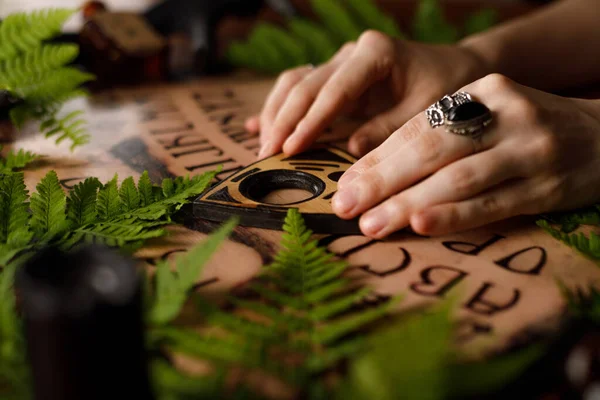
437	113
468	119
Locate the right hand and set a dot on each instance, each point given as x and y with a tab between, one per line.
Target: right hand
386	81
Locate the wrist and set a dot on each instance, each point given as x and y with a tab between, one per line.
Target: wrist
484	55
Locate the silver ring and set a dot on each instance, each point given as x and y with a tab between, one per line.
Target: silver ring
460	114
437	113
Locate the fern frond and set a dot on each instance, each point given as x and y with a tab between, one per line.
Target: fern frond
26	111
229	349
588	246
172	287
68	127
316	40
337	20
371	17
81	203
430	24
23	32
14	213
113	234
109	204
52	84
20	71
145	189
16	160
130	198
48	207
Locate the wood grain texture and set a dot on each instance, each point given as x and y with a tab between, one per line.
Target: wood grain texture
248	193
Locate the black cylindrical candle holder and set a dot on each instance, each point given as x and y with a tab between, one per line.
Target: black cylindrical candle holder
83	319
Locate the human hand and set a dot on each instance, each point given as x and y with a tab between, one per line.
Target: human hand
387	81
541	153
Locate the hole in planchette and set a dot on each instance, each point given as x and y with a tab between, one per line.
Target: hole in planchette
281	187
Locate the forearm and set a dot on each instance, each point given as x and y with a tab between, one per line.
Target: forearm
555	48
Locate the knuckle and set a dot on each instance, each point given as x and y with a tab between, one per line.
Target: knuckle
381	47
290	77
373	37
491	205
409	131
546	148
463	179
428	148
528	110
347	48
373	184
497	83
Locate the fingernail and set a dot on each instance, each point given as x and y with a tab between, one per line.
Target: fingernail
373	222
264	150
344	201
359	144
348	177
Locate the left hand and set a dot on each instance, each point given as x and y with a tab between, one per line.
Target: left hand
541	153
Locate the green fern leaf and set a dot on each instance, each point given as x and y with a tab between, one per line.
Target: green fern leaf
292	51
480	21
337	20
130	198
81	203
16	160
113	233
52	84
48	208
176	194
404	361
14	214
224	348
371	17
337	329
316	40
109	204
20	71
145	188
588	246
172	288
23	32
173	385
430	24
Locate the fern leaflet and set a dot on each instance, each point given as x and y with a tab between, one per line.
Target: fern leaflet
284	318
16	160
14	211
48	208
22	32
81	203
20	71
172	287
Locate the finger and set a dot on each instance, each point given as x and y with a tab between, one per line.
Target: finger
420	151
464	179
293	104
252	124
458	181
506	201
374	132
276	98
371	62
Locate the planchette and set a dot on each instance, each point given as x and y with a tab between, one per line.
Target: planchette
245	194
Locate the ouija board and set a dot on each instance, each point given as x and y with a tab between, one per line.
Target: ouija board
503	277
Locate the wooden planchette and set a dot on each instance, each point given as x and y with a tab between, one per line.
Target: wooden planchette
247	194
